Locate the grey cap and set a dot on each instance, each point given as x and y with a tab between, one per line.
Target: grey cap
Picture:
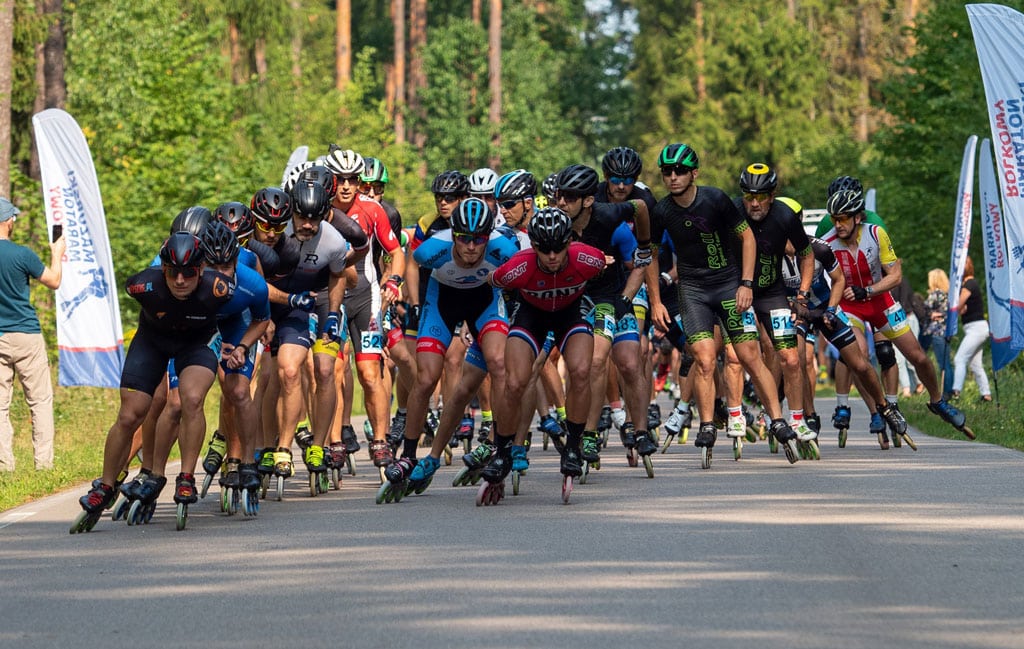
7	210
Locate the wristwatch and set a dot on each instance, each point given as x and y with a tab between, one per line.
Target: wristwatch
747	283
804	294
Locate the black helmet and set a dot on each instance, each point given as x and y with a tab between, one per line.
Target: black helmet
450	182
515	185
310	201
578	179
550	187
191	219
758	178
220	246
472	217
845	201
678	154
271	205
844	182
181	250
550	228
237	216
374	171
322	175
622	161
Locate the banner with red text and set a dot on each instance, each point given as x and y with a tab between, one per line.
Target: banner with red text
997	270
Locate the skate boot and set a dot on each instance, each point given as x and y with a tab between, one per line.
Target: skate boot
653	416
129	492
93	504
952	416
266	461
549	428
736	430
283	469
397	431
721	417
618	418
786	438
877	428
229	477
705	441
249	482
571	467
678	423
475	461
813	421
645	446
493	489
381	453
430	428
230	486
303	435
806	441
841	420
142	508
604	422
464	434
485	431
184	495
313	457
423	474
396	481
213	460
751	425
349	439
897	424
591	447
520	463
627	435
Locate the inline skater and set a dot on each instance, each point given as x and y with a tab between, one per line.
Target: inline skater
178	302
715	284
872	269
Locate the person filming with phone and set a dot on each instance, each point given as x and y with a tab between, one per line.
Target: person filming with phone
22	349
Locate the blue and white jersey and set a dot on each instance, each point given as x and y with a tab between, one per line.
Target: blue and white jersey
250	295
436	253
247	258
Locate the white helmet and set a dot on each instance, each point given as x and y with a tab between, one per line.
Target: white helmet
293	175
482	181
345	162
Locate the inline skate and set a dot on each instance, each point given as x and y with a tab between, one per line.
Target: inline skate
249	482
520	463
142	509
786	438
213	460
841	421
184	495
952	416
493	488
705	441
93	505
475	462
897	425
230	487
678	424
423	474
877	428
396	481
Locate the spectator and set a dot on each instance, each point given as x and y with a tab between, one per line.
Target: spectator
937	303
972	315
904	294
22	349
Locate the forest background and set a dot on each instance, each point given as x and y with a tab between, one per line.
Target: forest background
199	102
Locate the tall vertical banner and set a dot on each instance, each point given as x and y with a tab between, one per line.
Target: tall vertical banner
298	156
961	233
89	335
997	270
997	37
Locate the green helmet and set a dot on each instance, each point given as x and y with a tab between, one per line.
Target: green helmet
374	172
678	154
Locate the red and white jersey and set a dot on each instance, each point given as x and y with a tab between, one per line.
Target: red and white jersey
550	291
374	221
862	265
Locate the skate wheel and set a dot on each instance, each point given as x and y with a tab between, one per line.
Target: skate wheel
842	437
668	442
544	444
236	501
279	488
649	466
751	435
705	457
684	435
313	490
791	452
482	497
965	429
382	493
382	478
460	477
801	448
120	509
82	523
813	450
147	512
566	489
586	471
897	440
909	440
883	441
134	516
207	481
737	448
181	517
467	445
350	464
773	444
515	482
631	457
225	501
447	456
421	487
324	482
264	485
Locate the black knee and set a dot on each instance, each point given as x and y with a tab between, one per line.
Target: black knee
886	354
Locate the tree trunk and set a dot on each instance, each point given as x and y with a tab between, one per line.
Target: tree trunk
6	81
296	45
417	74
698	50
863	105
235	51
397	98
56	89
476	12
259	57
343	45
494	67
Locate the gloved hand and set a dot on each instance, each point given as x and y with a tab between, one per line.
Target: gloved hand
332	326
859	293
305	301
412	317
642	256
830	318
623	307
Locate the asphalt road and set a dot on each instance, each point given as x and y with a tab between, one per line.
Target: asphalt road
865	548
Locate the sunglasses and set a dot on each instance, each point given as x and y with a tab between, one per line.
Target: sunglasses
763	196
188	272
507	205
478	239
842	218
547	250
569	197
266	227
448	198
351	180
621	180
679	170
372	188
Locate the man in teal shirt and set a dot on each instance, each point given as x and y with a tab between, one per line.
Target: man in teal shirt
22	349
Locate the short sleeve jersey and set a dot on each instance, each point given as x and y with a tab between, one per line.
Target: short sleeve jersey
435	254
703	235
318	259
780	225
862	263
550	291
608	231
17	265
169	315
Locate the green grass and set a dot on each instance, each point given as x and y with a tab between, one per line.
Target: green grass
82	417
1000	422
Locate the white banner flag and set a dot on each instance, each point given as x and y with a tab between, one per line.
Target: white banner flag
89	334
997	36
961	232
997	272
